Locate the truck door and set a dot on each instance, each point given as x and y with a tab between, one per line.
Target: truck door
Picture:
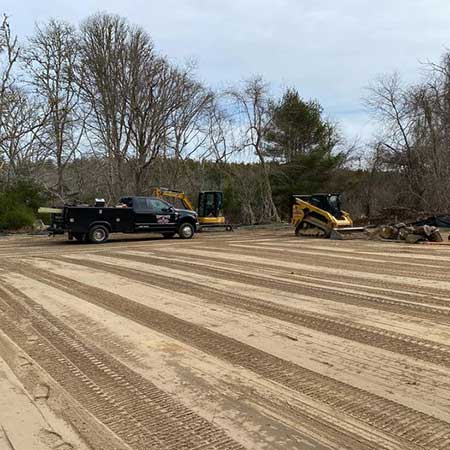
144	218
164	215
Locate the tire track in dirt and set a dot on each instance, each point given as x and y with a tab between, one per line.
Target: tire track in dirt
277	417
359	277
358	247
406	260
58	404
428	351
402	379
296	278
58	246
381	268
132	407
384	415
306	288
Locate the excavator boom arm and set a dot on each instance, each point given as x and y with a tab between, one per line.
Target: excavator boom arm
161	193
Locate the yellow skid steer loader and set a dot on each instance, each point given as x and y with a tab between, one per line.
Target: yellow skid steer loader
320	215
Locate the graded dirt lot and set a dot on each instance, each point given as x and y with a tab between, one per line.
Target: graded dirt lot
244	340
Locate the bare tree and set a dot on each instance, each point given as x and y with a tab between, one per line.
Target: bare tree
21	116
430	107
223	147
164	107
415	134
10	50
104	79
252	106
19	148
153	98
390	102
188	123
51	60
142	106
9	54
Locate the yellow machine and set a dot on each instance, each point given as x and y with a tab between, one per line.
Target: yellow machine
320	215
210	206
171	194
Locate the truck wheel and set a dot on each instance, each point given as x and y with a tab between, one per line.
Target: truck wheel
168	235
98	234
186	231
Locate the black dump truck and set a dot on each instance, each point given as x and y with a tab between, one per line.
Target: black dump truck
132	215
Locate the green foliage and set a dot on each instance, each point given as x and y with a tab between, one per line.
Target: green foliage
18	205
298	128
15	217
306	174
302	145
26	193
231	201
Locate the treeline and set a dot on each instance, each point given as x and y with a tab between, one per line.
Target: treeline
95	110
414	137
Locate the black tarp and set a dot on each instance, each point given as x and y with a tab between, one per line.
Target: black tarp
441	221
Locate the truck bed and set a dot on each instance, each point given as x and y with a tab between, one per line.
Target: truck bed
120	219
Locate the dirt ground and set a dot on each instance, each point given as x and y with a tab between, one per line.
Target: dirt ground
246	340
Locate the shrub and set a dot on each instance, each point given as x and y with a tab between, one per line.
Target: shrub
27	193
16	217
18	205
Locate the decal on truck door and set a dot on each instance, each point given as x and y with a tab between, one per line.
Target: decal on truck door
162	219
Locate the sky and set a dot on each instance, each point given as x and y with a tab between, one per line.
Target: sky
330	50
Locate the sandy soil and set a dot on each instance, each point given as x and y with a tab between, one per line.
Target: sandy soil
244	340
26	421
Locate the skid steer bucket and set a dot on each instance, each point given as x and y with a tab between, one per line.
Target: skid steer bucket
348	233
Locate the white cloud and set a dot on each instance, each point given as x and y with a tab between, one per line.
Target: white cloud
328	49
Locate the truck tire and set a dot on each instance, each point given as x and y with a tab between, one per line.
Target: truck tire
98	234
186	231
168	235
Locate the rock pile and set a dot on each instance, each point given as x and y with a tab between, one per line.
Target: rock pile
409	233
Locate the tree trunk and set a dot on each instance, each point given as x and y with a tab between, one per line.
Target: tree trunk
272	212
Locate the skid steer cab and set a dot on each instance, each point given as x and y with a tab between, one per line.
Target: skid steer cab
131	215
320	215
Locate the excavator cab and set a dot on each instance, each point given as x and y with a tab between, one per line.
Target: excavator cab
210	207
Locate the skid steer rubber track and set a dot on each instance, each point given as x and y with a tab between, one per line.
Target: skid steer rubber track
316	228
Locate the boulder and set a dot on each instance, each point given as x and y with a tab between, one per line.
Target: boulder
414	238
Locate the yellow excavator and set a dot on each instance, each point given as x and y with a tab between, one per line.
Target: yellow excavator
320	215
210	206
